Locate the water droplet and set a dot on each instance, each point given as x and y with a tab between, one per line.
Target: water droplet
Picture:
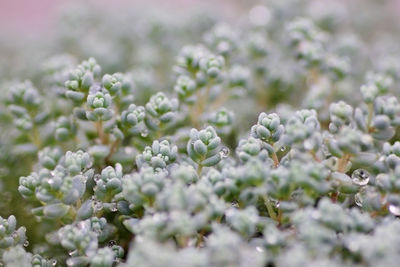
360	177
128	150
50	181
224	152
394	209
53	262
26	243
98	206
260	249
112	243
308	144
278	204
144	133
316	215
235	204
358	199
72	252
271	239
96	177
283	148
113	207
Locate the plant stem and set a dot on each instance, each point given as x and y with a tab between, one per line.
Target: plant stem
200	238
270	209
199	168
279	217
275	159
198	109
341	168
36	137
100	132
343	162
334	197
220	100
315	157
113	149
370	113
183	241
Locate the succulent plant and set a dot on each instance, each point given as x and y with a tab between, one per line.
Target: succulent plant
124	159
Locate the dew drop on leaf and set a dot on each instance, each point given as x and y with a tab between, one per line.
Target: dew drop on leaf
360	177
144	133
224	152
358	199
112	243
394	209
113	207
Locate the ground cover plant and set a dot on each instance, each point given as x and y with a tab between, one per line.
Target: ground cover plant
140	139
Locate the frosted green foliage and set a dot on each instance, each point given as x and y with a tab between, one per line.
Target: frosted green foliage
141	188
81	79
221	118
65	129
239	76
268	128
109	182
17	257
59	188
248	148
50	157
203	146
244	221
159	155
382	81
24	95
281	151
56	70
212	66
185	86
116	83
133	115
301	126
189	57
302	29
160	109
222	39
99	103
10	235
340	114
25	104
338	66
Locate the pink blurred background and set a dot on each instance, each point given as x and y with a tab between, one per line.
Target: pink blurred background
23	17
33	16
